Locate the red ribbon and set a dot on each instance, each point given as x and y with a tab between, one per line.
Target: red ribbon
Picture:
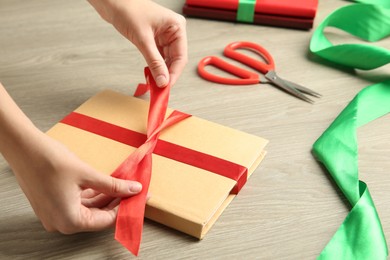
163	148
138	165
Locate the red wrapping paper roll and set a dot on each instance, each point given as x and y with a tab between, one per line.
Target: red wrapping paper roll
284	13
295	8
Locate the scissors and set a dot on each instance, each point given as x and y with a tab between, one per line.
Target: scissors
246	77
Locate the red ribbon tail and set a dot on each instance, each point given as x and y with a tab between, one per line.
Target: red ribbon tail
141	89
130	217
130	220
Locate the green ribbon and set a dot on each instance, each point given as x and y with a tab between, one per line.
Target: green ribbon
246	11
360	236
368	22
385	3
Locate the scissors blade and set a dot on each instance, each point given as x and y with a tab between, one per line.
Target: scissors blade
277	81
303	89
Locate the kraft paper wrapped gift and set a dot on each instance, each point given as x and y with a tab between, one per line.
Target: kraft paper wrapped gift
184	197
298	14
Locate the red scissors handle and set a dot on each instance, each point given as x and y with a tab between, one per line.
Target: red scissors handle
263	67
245	77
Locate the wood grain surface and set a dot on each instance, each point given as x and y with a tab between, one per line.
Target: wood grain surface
56	54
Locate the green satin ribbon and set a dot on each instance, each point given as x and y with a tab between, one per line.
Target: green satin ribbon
385	3
246	11
360	236
368	22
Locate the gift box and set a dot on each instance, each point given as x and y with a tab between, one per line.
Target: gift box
193	162
298	14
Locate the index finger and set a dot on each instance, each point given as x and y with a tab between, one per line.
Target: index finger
178	57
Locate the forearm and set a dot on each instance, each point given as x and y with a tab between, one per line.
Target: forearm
17	132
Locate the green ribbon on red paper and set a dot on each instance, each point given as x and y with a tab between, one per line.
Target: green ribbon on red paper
246	11
360	236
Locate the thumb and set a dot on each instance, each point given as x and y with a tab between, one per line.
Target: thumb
155	62
111	186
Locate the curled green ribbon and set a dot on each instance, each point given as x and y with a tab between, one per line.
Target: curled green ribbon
368	22
246	11
360	236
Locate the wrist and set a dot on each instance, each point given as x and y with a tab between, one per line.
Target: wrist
103	8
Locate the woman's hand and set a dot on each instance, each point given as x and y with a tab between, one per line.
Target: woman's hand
66	194
158	33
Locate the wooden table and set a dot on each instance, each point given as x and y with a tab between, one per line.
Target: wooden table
56	54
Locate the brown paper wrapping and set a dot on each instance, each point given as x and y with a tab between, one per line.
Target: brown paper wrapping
183	197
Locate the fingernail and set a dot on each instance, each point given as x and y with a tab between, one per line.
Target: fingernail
135	187
161	81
